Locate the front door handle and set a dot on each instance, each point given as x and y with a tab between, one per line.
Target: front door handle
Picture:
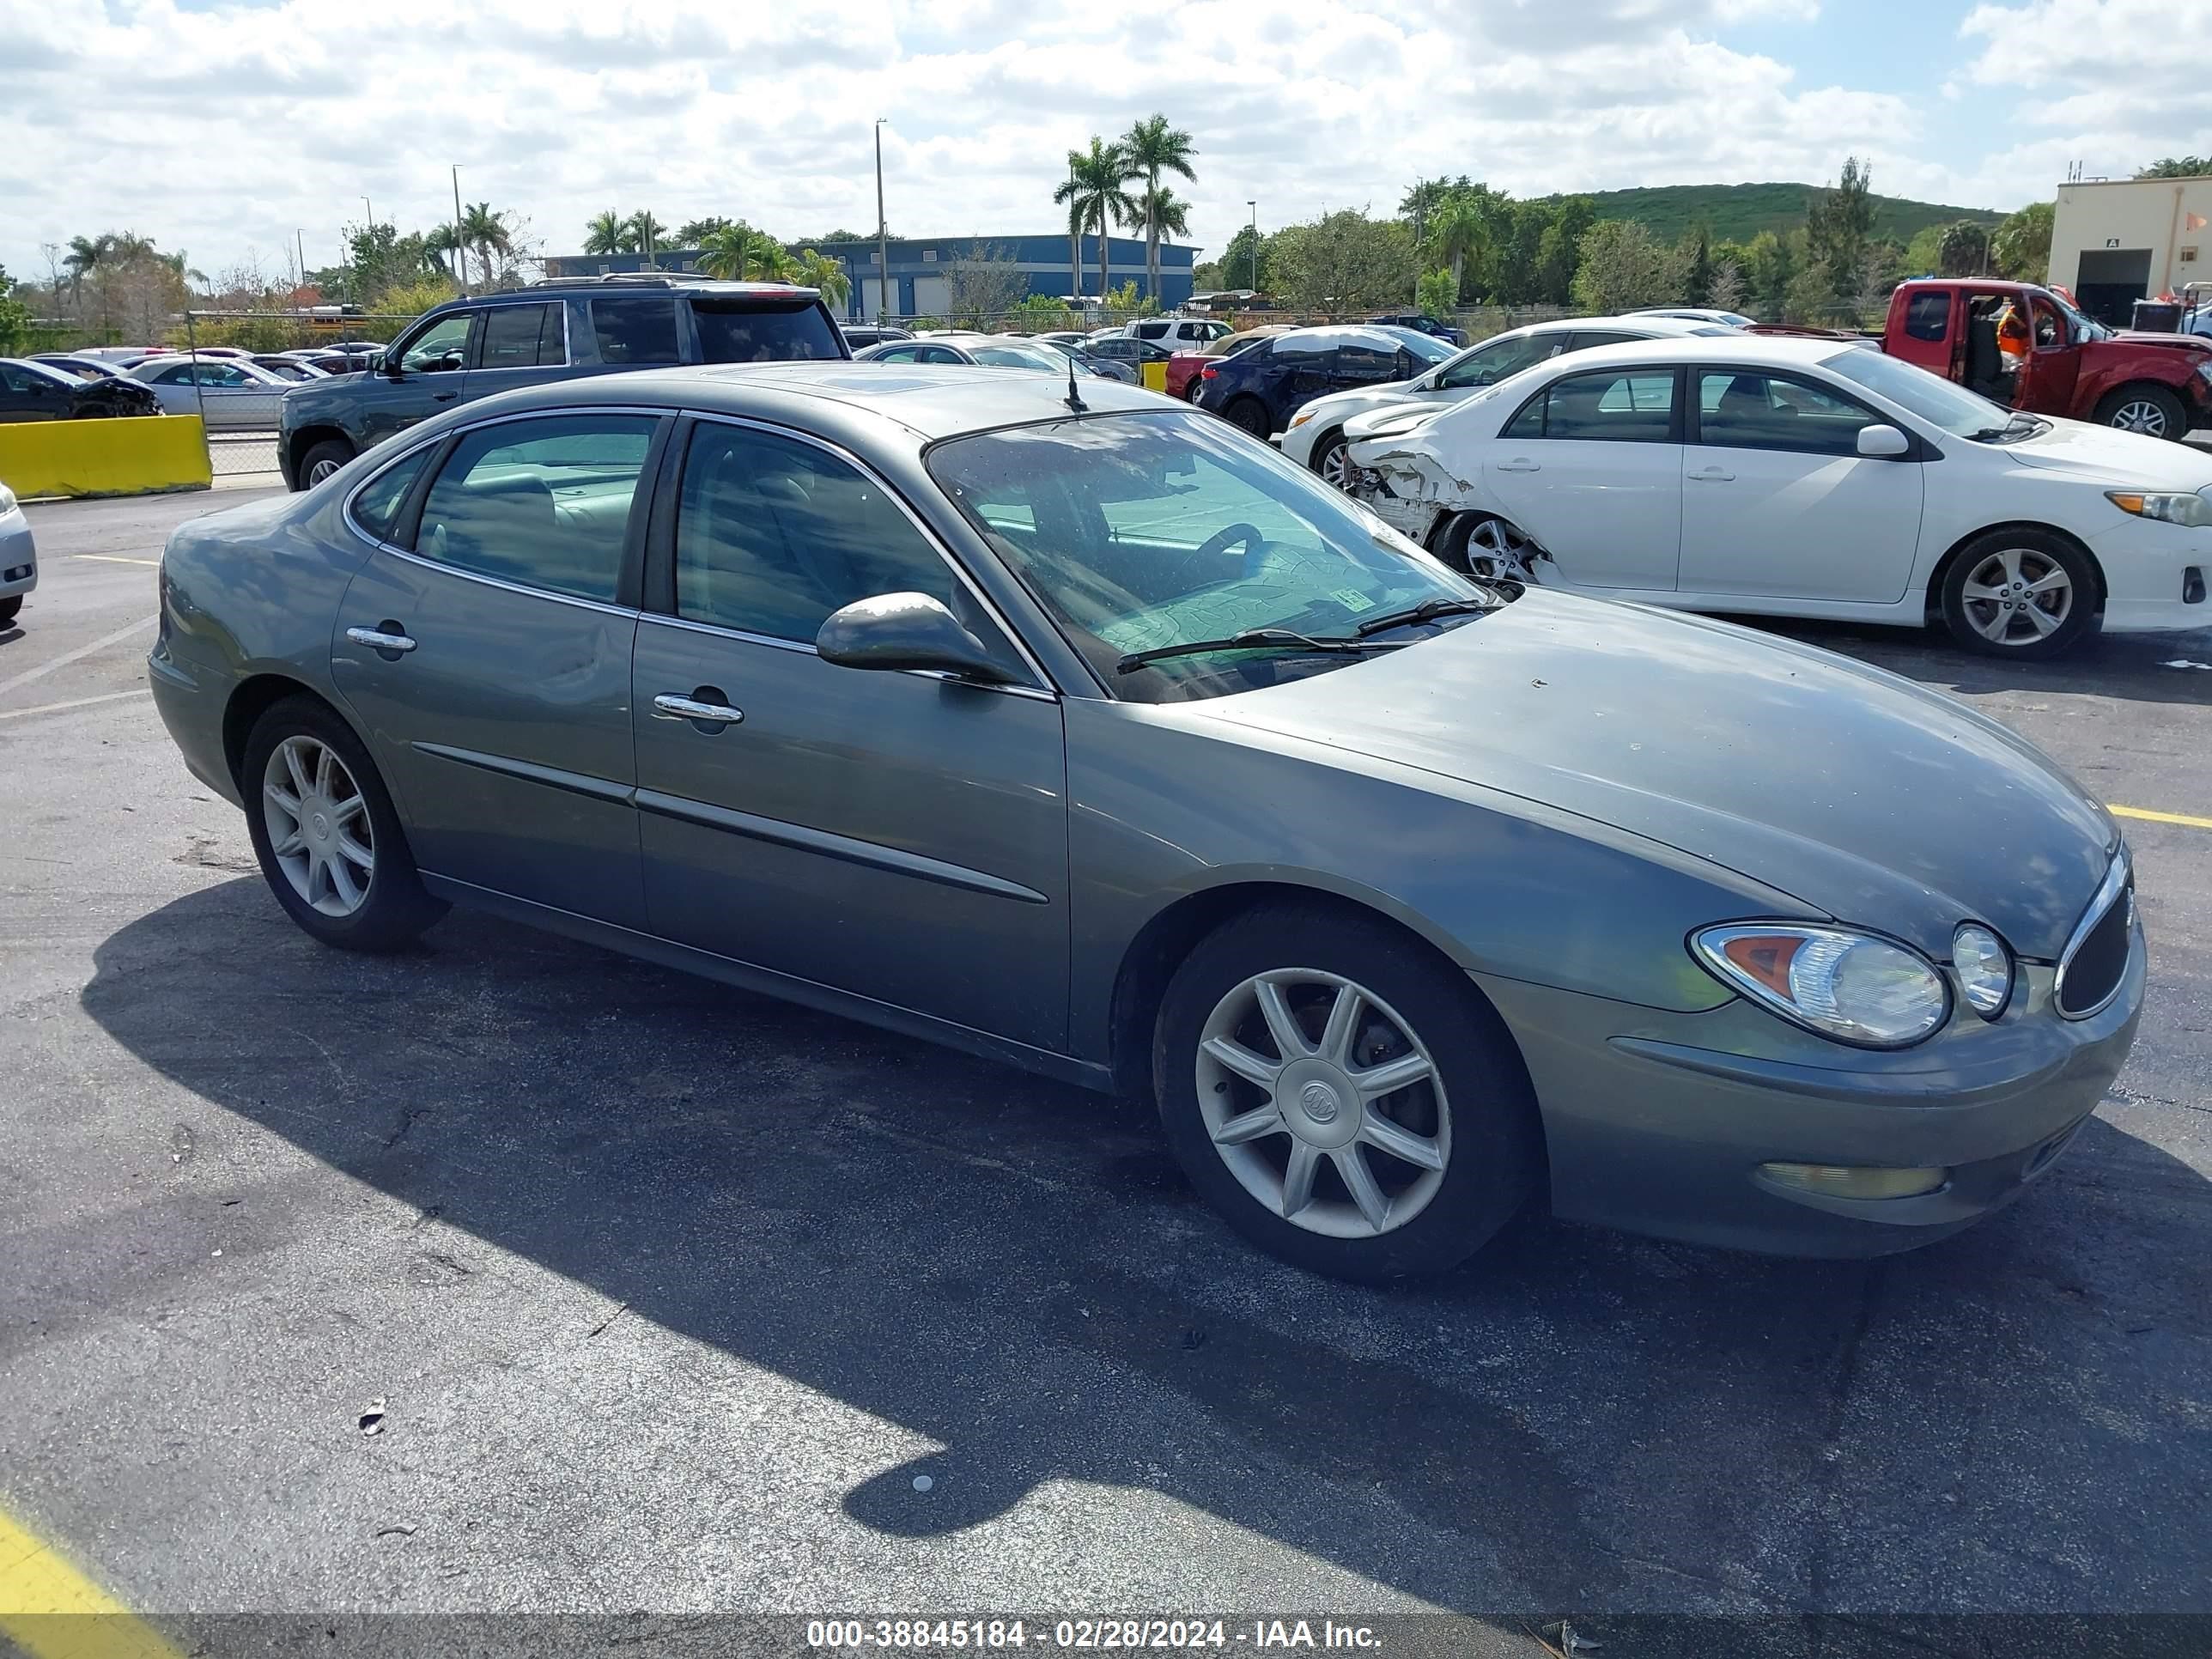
1520	463
1710	475
704	705
443	397
387	637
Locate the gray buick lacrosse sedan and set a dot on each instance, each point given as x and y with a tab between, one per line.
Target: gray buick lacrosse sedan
1066	725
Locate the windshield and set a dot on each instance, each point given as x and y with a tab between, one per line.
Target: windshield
1139	532
2082	328
1933	398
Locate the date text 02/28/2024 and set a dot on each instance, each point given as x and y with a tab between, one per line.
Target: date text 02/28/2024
1111	1634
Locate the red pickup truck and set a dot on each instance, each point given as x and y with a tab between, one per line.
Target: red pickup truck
2159	384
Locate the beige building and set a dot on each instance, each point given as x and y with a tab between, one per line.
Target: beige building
2115	241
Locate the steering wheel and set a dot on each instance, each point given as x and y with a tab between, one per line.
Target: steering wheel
1231	535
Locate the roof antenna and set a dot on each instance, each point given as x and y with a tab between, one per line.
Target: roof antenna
1074	397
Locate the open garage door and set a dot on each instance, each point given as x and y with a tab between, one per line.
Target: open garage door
2110	281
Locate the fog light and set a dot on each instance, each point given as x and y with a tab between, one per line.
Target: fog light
1855	1181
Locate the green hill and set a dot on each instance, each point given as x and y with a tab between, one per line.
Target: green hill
1736	213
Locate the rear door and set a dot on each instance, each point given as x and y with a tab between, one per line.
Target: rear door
502	719
1591	467
1778	502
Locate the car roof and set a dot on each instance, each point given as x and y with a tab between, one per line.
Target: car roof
1759	350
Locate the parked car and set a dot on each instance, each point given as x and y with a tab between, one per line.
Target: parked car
1176	333
1183	366
1801	478
39	392
1697	314
859	334
287	368
83	365
19	558
1089	359
228	392
1116	746
1422	322
558	329
2157	384
335	360
1260	388
985	350
1315	436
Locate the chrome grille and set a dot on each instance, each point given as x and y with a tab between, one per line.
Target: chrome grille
2096	957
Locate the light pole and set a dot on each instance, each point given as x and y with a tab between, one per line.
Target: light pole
1254	203
460	258
300	243
1074	239
883	234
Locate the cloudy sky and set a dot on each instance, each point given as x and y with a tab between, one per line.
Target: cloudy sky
224	126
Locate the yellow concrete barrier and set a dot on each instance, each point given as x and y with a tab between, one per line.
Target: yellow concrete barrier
1153	377
129	455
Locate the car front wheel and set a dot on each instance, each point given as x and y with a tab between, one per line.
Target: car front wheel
1343	1096
324	828
1332	460
2024	593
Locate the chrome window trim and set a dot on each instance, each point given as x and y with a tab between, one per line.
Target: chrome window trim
2109	892
600	605
346	507
1044	685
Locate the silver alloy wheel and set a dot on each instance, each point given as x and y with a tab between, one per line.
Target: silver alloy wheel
1496	548
1323	1102
318	825
2141	415
1335	468
2017	596
322	470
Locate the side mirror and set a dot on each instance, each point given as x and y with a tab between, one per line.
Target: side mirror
905	630
1883	443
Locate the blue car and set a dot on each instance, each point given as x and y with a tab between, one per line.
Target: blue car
1262	386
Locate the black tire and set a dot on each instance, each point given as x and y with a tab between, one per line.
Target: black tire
394	909
11	608
1495	1141
94	412
2148	409
2036	553
1458	547
1330	451
1250	415
331	453
1193	389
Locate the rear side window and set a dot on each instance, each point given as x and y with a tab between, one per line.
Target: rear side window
1367	363
1927	315
376	509
523	336
1608	406
747	332
544	503
632	330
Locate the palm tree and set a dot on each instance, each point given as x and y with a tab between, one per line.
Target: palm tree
1455	230
85	254
1094	194
1163	214
441	241
646	233
608	233
1153	147
818	270
486	232
696	231
768	260
727	251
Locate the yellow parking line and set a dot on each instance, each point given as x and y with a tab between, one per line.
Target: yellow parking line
52	1611
2158	817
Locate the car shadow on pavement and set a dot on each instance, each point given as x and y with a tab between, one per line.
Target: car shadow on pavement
1013	1270
2128	667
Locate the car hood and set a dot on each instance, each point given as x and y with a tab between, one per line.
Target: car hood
1856	792
2103	455
1344	405
1392	420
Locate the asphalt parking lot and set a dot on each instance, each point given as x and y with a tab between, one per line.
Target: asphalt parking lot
663	1298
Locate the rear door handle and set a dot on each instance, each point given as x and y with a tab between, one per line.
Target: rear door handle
697	707
1711	475
1520	463
386	637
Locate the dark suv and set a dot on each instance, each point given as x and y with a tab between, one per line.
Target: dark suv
556	330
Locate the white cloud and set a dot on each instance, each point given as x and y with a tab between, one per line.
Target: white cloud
220	129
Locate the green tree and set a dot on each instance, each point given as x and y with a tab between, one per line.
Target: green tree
1770	263
1727	291
486	232
1343	262
1560	251
1838	222
645	233
816	270
1923	254
693	232
1424	197
1810	297
1698	271
1437	295
1243	263
442	243
2177	167
1095	194
14	326
1458	229
727	250
2020	246
83	257
1151	149
1962	249
1624	266
608	233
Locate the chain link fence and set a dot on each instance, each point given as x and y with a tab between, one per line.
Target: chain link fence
231	352
1476	322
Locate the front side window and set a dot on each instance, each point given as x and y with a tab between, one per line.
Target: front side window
1933	398
1741	409
1494	360
376	509
1139	532
442	347
632	330
544	503
772	535
1607	406
524	337
1928	315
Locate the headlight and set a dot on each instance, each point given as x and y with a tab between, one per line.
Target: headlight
2166	509
1985	968
2204	368
1299	420
1851	987
7	499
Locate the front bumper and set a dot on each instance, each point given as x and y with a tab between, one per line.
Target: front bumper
2158	577
19	554
1658	1122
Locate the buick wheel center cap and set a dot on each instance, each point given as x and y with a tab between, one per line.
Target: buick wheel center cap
1321	1101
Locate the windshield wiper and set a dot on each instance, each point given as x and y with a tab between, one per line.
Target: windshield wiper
1254	638
1426	611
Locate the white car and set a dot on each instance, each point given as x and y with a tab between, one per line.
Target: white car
18	557
1316	435
1696	314
231	391
1800	478
1178	333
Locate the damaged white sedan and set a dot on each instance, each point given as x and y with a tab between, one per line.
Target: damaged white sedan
1800	478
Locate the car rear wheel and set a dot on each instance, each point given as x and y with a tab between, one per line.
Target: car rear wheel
322	460
2150	410
1249	413
1345	1098
324	828
2019	593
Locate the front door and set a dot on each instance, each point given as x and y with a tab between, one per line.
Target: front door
520	345
1591	468
2054	362
1776	501
499	710
421	375
899	837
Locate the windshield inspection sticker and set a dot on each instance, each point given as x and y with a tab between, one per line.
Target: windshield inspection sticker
1352	600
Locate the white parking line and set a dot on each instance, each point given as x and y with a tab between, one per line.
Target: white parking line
113	558
74	702
69	657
